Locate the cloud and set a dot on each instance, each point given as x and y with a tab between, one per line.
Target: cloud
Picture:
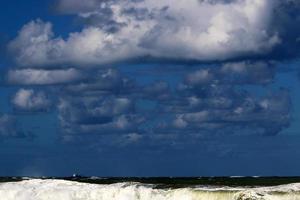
31	101
120	30
42	77
217	1
104	104
93	110
35	46
216	116
77	6
98	115
107	81
239	73
158	90
8	127
286	16
209	101
121	124
239	37
248	72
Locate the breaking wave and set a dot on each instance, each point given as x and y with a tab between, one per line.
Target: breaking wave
68	190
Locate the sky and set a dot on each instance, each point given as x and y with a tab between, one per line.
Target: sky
149	88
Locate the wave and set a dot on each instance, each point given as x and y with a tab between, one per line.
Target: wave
37	189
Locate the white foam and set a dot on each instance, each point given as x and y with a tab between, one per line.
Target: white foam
67	190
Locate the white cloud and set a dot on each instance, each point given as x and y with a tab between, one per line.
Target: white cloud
168	29
43	77
29	100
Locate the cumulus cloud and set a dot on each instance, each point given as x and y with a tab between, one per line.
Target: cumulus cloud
31	101
248	72
104	104
35	46
98	115
42	77
214	116
93	110
208	102
239	73
108	81
161	29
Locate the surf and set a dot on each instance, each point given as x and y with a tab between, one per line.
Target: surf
37	189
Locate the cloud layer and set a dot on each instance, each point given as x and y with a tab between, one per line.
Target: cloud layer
120	30
101	105
207	102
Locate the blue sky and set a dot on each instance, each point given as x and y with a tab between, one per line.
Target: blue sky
149	88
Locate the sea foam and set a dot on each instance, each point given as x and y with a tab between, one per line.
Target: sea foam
36	189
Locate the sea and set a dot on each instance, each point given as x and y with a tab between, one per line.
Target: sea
158	188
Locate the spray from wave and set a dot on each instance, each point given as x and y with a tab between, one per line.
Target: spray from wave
36	189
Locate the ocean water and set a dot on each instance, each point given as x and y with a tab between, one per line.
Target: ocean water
231	188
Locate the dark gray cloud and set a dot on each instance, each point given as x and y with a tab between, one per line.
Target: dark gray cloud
220	115
208	102
111	109
103	105
106	104
240	73
285	20
95	109
107	81
101	116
